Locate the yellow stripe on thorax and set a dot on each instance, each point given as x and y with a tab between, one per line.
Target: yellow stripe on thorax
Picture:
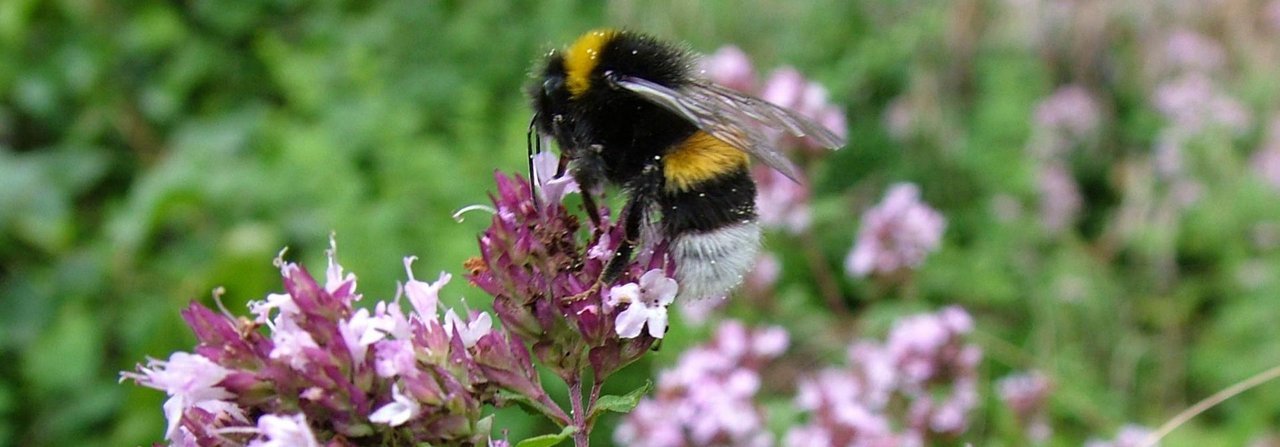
582	58
700	158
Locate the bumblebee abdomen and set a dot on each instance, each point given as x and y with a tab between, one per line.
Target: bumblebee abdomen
709	214
700	158
709	264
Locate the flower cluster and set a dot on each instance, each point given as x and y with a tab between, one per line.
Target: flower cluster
1068	117
1192	102
896	234
707	399
918	386
546	284
325	372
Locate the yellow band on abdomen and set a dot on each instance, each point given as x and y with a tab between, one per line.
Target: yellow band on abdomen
700	158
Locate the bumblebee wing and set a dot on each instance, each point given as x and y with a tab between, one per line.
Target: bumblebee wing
734	118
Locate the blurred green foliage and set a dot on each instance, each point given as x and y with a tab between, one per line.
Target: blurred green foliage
152	151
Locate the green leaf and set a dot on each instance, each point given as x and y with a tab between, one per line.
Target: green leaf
529	406
548	440
621	404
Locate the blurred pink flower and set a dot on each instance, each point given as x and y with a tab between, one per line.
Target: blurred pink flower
1194	103
1271	13
1060	200
764	274
918	386
780	201
758	282
1026	395
1069	114
707	398
1266	160
896	234
900	118
787	88
1129	436
730	67
1187	50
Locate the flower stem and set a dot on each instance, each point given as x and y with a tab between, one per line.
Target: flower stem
826	279
581	437
1210	402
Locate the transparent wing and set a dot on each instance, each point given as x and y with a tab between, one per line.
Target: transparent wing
734	118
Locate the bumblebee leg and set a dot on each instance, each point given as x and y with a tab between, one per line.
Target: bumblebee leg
588	170
593	211
633	216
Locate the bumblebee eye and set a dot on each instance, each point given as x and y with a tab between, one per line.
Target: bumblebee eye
552	84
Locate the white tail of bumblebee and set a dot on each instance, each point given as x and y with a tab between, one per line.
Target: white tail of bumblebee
713	263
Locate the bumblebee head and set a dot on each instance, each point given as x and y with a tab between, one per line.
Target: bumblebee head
576	82
550	96
602	54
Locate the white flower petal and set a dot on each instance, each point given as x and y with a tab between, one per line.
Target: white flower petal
631	321
657	322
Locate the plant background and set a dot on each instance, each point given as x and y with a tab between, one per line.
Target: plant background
151	151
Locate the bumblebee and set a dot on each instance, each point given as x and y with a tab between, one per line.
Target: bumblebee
629	110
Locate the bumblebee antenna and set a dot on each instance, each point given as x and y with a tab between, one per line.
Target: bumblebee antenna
533	145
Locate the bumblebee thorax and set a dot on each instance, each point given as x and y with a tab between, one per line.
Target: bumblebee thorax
583	57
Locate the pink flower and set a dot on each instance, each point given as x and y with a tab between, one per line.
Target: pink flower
770	342
1026	395
262	309
1266	161
1070	112
1060	200
471	331
394	358
191	380
284	431
647	304
1192	51
730	67
1272	15
334	279
551	189
291	342
896	234
362	330
398	411
423	296
922	381
787	88
781	202
1129	436
1194	103
707	398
